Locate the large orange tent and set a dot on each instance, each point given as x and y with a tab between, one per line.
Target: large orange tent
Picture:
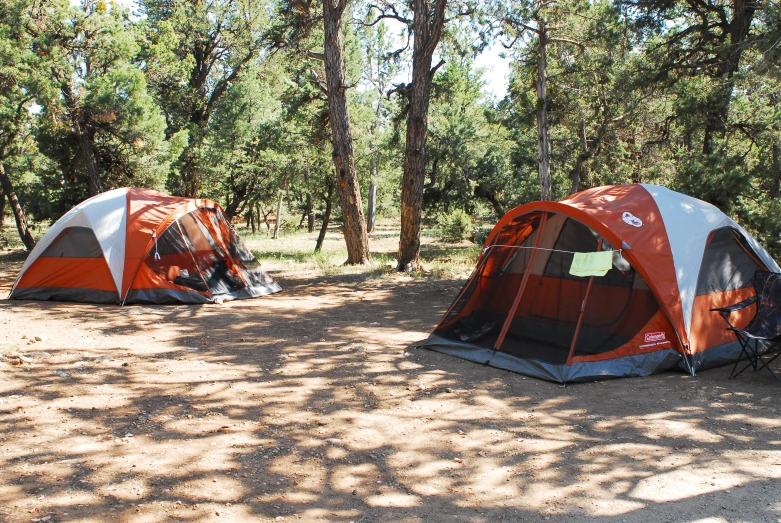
673	259
142	246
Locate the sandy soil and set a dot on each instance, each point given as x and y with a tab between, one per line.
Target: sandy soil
307	405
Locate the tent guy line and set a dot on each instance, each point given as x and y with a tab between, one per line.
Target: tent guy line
546	249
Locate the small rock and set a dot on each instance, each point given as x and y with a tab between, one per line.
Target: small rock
62	373
103	358
39	355
193	349
126	364
38	338
458	460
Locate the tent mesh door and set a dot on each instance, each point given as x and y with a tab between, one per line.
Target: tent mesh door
214	263
545	322
172	259
480	310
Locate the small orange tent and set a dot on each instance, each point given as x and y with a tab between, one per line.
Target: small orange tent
142	246
673	259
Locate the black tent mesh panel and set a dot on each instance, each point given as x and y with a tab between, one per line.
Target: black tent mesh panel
728	263
74	242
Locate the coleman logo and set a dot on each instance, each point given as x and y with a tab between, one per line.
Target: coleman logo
654	336
631	219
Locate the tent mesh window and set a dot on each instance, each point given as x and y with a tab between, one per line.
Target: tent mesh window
482	307
619	304
728	263
74	242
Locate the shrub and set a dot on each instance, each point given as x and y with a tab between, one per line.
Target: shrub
455	226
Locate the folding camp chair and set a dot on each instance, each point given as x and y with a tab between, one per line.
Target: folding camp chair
760	340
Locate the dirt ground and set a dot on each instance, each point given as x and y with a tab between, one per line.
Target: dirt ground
308	405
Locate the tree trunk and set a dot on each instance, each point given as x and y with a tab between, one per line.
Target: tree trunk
543	153
427	27
16	207
775	168
732	43
94	186
2	208
310	214
279	214
262	212
371	218
355	235
326	217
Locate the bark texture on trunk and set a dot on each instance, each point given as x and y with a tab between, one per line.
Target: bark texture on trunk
94	186
16	208
371	219
428	21
543	151
733	41
776	170
2	207
349	190
310	214
279	214
326	217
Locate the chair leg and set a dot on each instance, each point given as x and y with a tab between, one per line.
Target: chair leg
745	345
765	363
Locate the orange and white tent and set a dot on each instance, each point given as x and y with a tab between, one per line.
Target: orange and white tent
142	246
672	259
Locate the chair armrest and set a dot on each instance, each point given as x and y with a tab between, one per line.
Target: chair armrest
736	307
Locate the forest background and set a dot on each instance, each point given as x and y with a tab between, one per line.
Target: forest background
366	109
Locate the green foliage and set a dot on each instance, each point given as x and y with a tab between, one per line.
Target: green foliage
455	226
226	100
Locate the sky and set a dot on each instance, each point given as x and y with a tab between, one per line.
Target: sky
497	71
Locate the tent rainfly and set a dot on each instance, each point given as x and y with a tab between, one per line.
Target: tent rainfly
537	305
142	246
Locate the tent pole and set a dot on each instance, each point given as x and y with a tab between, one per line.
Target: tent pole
526	273
582	311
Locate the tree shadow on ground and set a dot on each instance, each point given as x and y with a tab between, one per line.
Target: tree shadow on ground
309	405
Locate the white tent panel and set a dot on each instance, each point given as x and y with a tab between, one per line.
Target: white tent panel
107	214
689	222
